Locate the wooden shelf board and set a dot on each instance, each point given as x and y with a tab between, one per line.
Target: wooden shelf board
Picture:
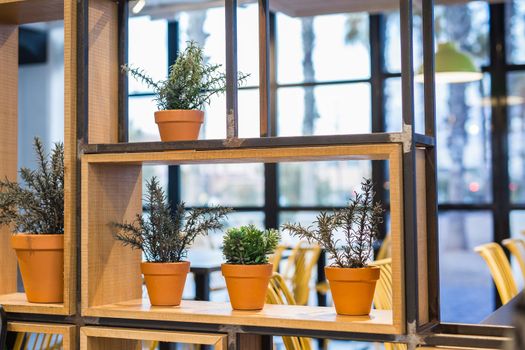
240	143
67	331
30	11
275	316
17	302
250	155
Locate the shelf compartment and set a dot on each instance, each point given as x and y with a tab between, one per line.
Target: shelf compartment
272	316
12	13
98	338
68	332
111	278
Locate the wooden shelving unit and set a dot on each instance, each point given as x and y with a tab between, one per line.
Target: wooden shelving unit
12	14
104	180
68	332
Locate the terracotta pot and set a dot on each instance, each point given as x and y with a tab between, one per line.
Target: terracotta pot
247	285
165	282
179	124
41	261
352	289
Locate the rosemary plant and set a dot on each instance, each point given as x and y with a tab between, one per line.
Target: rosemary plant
248	245
191	82
37	207
164	236
359	222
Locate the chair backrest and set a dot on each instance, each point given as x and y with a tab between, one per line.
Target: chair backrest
383	294
277	256
38	341
298	270
500	270
385	249
516	246
279	293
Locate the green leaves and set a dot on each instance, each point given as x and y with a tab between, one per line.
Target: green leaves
248	245
163	236
191	82
358	222
37	207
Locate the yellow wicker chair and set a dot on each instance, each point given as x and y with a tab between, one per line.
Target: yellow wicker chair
277	257
38	341
516	246
500	270
278	293
383	294
385	251
298	270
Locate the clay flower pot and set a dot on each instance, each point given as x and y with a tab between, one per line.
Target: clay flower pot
179	124
247	285
41	261
352	289
165	282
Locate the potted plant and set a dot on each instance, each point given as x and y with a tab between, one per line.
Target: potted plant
164	238
180	98
247	271
351	280
36	215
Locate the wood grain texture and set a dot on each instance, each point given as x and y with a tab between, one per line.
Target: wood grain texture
70	155
280	316
110	271
68	332
31	11
103	72
111	333
395	168
8	142
109	344
284	154
421	203
17	302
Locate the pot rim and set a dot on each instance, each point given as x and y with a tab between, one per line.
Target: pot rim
179	115
30	241
350	274
165	268
245	270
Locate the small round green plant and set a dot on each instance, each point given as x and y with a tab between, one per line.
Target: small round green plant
191	82
247	245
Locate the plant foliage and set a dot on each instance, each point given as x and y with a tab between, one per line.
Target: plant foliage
37	207
248	245
164	236
359	223
191	82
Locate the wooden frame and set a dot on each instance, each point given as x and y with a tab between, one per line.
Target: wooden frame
98	338
68	332
111	191
12	14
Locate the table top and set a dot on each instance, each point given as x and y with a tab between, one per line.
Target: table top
503	315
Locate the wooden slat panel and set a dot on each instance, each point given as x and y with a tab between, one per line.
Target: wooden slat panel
70	154
67	331
8	141
143	334
421	200
30	11
103	72
282	316
110	272
109	344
